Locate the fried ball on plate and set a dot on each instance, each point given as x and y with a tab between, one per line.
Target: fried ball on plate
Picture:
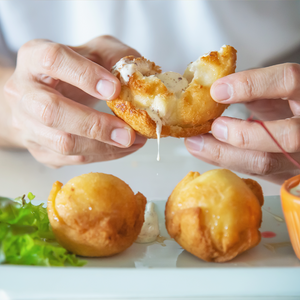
177	105
95	214
216	215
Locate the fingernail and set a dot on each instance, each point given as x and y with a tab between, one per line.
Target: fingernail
139	139
106	88
220	130
195	143
121	136
222	92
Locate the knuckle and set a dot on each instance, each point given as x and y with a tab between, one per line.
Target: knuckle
108	37
241	138
94	128
81	75
291	78
246	86
290	137
265	164
80	159
26	50
43	106
95	43
65	143
52	56
49	110
217	153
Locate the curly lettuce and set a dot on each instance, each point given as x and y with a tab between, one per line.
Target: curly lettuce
26	237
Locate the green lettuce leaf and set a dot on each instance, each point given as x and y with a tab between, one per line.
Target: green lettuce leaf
26	236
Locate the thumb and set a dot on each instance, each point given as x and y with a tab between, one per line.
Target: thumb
276	82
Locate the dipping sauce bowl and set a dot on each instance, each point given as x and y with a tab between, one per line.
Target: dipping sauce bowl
291	210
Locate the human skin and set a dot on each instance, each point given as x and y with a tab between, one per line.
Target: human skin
47	103
272	95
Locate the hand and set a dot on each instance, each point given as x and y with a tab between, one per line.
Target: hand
273	95
50	96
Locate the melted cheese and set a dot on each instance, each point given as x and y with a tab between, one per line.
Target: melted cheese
150	229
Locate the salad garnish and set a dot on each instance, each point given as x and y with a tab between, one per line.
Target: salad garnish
26	237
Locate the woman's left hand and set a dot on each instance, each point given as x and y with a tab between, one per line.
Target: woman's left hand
273	95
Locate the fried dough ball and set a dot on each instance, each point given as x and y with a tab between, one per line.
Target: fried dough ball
95	214
177	105
216	215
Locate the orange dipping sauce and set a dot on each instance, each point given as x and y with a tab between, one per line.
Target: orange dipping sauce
291	209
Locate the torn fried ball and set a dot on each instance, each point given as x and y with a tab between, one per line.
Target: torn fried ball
170	104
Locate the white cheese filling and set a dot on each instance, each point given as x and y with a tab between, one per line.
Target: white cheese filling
150	229
126	67
173	81
159	109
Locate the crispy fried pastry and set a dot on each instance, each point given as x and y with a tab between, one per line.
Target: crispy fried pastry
95	214
177	105
216	215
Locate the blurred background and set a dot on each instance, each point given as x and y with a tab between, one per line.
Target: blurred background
170	33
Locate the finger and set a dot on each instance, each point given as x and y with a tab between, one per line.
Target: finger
276	82
270	109
58	112
61	62
295	107
105	50
51	159
281	177
69	144
252	136
55	160
207	148
77	95
277	178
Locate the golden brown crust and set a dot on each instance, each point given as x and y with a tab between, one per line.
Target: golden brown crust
195	110
140	121
256	189
95	214
214	216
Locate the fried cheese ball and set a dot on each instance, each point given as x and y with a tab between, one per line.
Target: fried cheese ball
95	214
170	104
216	215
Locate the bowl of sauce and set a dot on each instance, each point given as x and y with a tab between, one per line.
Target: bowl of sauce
290	201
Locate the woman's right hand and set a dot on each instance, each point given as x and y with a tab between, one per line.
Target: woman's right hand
50	94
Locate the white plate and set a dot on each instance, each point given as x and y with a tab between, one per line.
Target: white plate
164	269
